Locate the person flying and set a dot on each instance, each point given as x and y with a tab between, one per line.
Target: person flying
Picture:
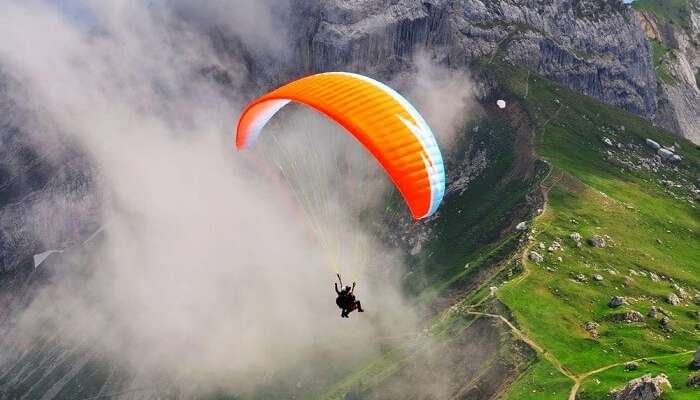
346	299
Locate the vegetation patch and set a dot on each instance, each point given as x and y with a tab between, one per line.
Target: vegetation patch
674	12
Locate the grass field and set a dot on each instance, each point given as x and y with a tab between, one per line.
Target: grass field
675	12
649	228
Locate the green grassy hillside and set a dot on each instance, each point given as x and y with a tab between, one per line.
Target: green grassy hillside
650	221
643	208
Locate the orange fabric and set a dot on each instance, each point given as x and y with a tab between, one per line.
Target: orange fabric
371	115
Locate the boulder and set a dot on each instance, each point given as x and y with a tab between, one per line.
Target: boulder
653	312
607	141
696	359
536	257
652	144
575	236
598	277
680	291
628	316
643	388
597	241
631	366
665	321
693	380
521	226
665	154
592	328
673	299
616	301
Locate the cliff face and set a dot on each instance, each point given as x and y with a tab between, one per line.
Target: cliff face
678	61
596	47
46	201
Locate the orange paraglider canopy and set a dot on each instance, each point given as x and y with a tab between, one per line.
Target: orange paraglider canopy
384	122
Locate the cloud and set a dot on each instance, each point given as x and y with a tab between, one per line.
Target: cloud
444	96
204	271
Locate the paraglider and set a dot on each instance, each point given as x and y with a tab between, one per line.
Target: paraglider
346	299
384	123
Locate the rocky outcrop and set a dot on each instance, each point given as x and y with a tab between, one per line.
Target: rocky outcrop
616	301
595	47
644	388
679	93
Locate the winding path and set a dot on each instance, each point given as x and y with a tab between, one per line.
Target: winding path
576	378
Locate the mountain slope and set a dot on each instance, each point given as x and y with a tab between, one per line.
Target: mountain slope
644	208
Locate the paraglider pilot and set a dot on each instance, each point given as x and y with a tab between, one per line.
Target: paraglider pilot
346	299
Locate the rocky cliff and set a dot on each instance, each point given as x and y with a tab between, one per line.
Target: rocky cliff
596	47
677	59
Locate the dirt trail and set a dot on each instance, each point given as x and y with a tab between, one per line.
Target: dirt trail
578	379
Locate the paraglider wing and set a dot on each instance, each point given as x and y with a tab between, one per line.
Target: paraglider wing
385	123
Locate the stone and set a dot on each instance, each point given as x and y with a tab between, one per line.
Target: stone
665	154
628	316
693	380
631	366
665	321
521	226
680	291
536	257
598	277
607	141
575	236
597	241
673	299
652	144
616	301
643	388
592	328
653	312
696	359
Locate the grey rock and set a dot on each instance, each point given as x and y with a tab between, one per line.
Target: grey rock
575	236
536	257
608	142
673	299
643	388
631	366
597	241
653	312
616	301
598	277
593	47
665	321
665	154
592	328
652	144
696	359
680	291
521	226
